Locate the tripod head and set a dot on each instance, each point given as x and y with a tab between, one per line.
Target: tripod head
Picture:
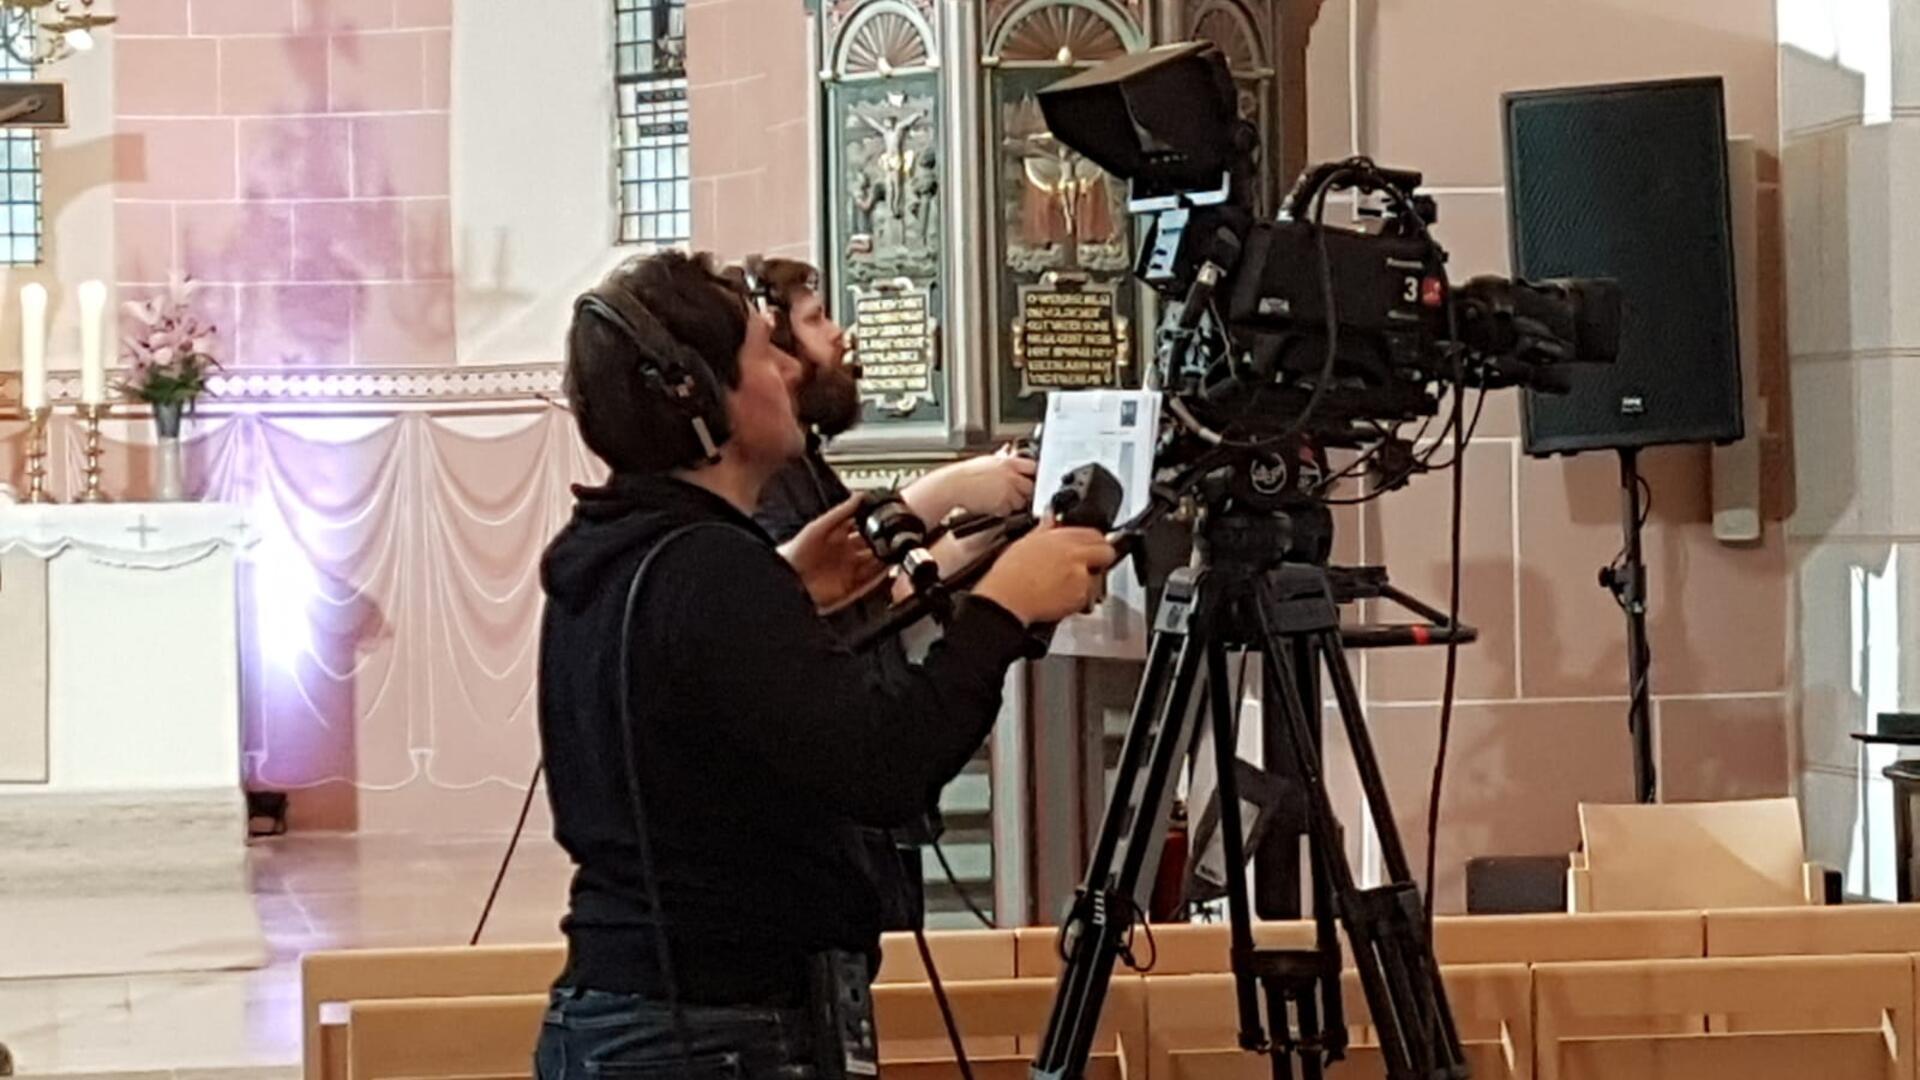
1240	513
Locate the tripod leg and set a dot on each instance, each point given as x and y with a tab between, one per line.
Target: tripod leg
1402	956
1106	906
1334	878
1306	665
1226	758
1277	885
1367	764
1133	751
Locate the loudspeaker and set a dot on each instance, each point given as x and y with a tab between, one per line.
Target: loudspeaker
1630	182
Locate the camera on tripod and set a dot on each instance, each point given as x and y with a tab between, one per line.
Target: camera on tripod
1278	339
1287	325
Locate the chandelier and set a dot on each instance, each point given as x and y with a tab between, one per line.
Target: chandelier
40	32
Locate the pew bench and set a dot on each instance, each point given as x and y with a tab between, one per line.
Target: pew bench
444	1038
1726	1017
492	1037
336	979
1192	1026
362	976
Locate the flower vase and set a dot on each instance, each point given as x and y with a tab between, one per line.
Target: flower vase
169	470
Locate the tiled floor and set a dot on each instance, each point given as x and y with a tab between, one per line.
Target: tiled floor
313	892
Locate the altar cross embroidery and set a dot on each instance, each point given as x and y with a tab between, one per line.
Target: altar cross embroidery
143	530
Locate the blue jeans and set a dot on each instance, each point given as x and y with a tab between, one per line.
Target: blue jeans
592	1033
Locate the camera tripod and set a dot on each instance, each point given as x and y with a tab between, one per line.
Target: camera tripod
1239	596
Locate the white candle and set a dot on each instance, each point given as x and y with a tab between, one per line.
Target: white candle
33	346
93	359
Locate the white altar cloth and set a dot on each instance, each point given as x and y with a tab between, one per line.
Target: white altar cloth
121	790
141	644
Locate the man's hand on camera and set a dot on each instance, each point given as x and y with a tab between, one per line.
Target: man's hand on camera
833	560
1049	574
993	484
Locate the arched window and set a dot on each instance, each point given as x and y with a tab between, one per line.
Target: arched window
650	86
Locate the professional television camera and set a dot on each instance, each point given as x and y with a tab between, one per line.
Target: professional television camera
1266	318
1278	339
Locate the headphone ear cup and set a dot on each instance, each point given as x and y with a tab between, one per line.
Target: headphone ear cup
711	402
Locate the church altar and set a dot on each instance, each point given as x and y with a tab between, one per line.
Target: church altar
120	745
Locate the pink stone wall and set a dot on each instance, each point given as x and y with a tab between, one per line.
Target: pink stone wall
293	156
1418	85
748	90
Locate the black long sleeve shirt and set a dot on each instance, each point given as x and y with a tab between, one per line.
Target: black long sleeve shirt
760	745
802	492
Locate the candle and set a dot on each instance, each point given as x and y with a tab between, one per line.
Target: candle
93	360
33	346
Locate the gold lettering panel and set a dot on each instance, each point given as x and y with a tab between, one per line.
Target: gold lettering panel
1069	336
894	343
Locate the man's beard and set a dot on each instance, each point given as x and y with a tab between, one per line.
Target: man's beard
829	400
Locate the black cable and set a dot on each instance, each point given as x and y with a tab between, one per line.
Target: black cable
1473	426
1127	957
539	767
932	969
1358	465
946	1007
1450	681
959	890
1646	515
1299	423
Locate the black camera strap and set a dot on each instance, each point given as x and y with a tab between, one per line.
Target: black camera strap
838	1002
628	722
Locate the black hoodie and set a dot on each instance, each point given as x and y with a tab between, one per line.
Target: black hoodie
761	745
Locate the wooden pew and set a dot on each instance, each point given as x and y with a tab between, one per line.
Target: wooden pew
441	1038
962	956
339	977
1814	931
1576	1004
492	1038
997	1014
1533	939
366	975
1201	949
1192	1026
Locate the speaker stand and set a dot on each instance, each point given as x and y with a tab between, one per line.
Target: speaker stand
1626	579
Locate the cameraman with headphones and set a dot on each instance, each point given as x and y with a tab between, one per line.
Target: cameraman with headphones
809	490
711	748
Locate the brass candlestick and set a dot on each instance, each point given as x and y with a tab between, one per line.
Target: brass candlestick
91	415
37	454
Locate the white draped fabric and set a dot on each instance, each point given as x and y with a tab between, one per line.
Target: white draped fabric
390	600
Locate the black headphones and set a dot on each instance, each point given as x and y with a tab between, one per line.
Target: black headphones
772	301
672	369
765	296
